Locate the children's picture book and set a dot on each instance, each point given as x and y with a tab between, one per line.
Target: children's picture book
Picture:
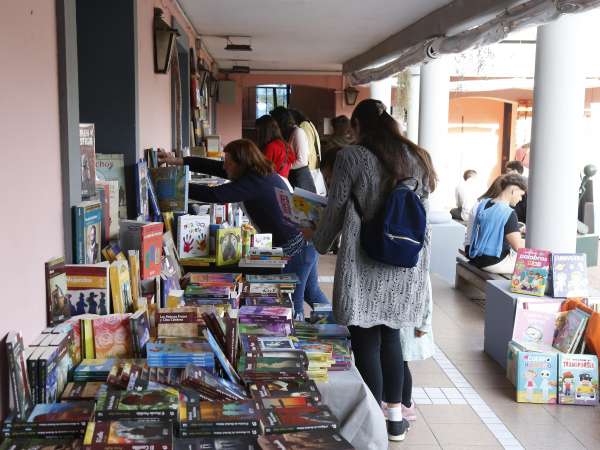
146	237
577	379
530	275
536	378
262	241
141	185
18	379
304	440
120	286
569	329
534	326
171	187
192	236
569	275
87	230
301	207
57	305
88	288
129	434
111	167
112	336
87	146
228	246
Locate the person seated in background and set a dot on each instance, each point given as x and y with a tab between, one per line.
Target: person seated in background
466	196
521	207
270	141
342	134
493	235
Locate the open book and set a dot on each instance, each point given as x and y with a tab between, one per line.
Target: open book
301	207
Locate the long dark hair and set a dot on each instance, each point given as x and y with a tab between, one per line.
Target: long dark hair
285	120
298	116
502	182
267	131
250	159
379	132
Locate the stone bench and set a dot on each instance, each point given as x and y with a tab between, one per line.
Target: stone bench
472	280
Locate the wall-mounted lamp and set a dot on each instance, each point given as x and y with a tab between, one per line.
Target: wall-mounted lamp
164	40
213	86
351	95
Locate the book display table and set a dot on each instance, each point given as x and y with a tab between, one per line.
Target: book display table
361	419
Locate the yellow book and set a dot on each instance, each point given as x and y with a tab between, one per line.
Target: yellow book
120	285
228	246
175	298
168	219
134	271
89	433
88	339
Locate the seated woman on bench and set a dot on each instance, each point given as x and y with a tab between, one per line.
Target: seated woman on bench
493	234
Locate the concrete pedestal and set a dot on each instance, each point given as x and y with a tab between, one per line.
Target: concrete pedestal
446	239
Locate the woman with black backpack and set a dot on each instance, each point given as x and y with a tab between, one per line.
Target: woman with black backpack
274	147
374	298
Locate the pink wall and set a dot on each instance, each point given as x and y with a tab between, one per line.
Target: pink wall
154	90
229	116
31	229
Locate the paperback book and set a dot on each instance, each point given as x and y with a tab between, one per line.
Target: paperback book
87	229
578	379
171	187
111	167
225	415
87	146
88	288
141	185
58	308
81	390
284	388
120	285
128	435
112	336
288	420
535	374
18	380
147	238
530	275
534	326
228	246
161	404
192	236
217	443
569	275
570	329
304	440
302	208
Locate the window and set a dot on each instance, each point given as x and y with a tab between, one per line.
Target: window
270	96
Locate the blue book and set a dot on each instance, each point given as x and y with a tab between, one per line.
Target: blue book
155	214
87	232
171	186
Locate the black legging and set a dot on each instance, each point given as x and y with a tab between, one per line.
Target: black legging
378	354
407	387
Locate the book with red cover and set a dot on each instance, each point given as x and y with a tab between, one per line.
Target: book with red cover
112	336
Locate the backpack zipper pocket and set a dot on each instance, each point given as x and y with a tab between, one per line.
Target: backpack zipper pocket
401	238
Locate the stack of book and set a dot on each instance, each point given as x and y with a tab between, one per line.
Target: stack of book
286	281
289	366
180	354
156	404
129	434
263	257
94	369
51	420
210	386
222	418
320	359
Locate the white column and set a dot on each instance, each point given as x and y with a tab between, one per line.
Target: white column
558	101
412	122
433	128
593	157
382	90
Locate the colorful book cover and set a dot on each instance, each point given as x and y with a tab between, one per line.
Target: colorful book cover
120	285
159	403
87	146
192	236
285	402
302	208
262	241
569	275
536	378
569	329
140	331
220	414
57	305
530	275
129	434
577	379
88	288
81	390
304	440
141	185
112	336
111	167
147	238
87	229
284	388
18	379
534	326
228	246
225	363
171	186
70	412
281	420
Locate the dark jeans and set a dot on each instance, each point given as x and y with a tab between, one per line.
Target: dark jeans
306	264
302	178
378	356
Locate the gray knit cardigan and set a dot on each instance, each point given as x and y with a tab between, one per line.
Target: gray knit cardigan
367	293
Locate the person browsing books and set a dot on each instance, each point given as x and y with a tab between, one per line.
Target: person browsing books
375	299
253	182
272	144
493	234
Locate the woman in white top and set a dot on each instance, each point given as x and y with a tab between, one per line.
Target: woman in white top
300	175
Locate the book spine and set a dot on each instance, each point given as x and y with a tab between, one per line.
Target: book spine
166	445
280	429
42	379
78	243
32	370
212	432
88	334
155	415
12	364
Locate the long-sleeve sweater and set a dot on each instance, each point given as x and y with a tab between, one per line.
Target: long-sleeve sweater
256	192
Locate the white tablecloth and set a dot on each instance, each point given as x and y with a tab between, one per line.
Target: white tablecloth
361	420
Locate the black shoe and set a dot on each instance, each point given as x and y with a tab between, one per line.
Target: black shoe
397	429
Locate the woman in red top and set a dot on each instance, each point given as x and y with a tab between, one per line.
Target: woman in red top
272	144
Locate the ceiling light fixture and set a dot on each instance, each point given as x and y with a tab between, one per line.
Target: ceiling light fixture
233	47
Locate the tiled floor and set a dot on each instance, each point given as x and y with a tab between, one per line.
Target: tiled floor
463	398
